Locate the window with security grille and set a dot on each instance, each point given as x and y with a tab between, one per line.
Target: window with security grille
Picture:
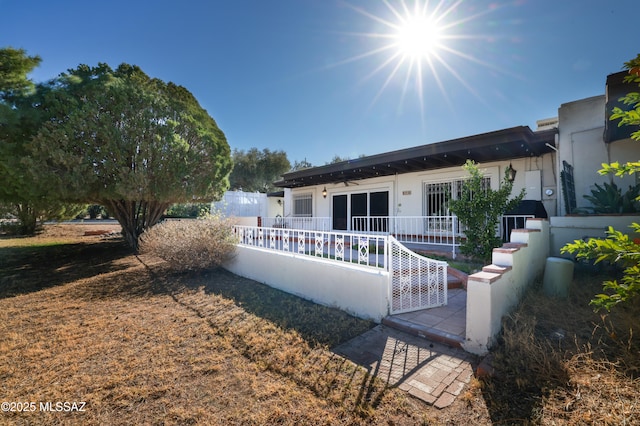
437	195
303	205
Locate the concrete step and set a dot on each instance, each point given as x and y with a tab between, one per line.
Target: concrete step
423	331
457	278
454	282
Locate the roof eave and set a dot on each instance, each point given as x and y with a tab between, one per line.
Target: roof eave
485	147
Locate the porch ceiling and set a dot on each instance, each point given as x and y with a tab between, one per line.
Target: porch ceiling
507	144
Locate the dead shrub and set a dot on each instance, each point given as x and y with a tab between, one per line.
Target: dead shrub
191	244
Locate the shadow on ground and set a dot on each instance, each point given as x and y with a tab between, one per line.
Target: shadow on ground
317	324
25	270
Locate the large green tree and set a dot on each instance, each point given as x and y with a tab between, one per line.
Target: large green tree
300	165
131	143
255	170
20	119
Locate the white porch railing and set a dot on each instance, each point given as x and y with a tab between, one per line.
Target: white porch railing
437	230
298	222
412	229
361	249
424	230
415	282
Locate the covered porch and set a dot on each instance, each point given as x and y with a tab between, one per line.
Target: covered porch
428	234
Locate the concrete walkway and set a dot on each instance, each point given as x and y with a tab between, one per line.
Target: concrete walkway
419	352
445	324
433	372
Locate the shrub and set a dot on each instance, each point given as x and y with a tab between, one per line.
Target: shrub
619	249
94	211
610	199
190	244
479	209
187	210
10	227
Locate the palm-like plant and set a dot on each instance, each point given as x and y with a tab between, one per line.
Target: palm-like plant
610	199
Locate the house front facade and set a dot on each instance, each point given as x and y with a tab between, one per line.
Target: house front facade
376	193
406	190
333	215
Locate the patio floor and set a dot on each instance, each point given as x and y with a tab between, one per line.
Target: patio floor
445	324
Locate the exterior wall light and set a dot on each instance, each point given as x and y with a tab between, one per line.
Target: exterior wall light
324	192
510	172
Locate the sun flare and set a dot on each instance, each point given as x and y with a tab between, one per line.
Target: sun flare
419	37
417	42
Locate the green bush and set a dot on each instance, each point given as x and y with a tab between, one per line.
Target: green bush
10	227
30	216
96	211
188	210
479	209
618	249
190	244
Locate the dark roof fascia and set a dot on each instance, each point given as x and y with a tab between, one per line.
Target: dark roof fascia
615	89
481	148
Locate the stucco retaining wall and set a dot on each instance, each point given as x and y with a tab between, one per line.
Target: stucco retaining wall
360	291
566	229
497	289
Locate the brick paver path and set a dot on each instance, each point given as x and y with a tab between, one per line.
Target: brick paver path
431	371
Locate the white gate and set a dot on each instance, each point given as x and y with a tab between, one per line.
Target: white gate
417	282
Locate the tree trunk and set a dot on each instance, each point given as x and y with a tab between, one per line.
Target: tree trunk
135	217
28	218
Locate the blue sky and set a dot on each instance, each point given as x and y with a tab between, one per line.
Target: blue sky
316	78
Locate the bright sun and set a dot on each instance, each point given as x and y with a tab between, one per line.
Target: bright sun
419	37
416	41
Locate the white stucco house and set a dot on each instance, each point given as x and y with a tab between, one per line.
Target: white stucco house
587	138
346	227
414	182
556	164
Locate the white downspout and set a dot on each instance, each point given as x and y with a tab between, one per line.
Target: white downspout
559	197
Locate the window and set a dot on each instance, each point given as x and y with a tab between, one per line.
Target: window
435	199
437	195
302	205
435	203
375	205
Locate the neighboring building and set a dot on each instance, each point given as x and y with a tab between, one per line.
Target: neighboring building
587	138
249	204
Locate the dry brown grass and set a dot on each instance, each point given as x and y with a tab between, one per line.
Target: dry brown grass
82	319
560	363
140	345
